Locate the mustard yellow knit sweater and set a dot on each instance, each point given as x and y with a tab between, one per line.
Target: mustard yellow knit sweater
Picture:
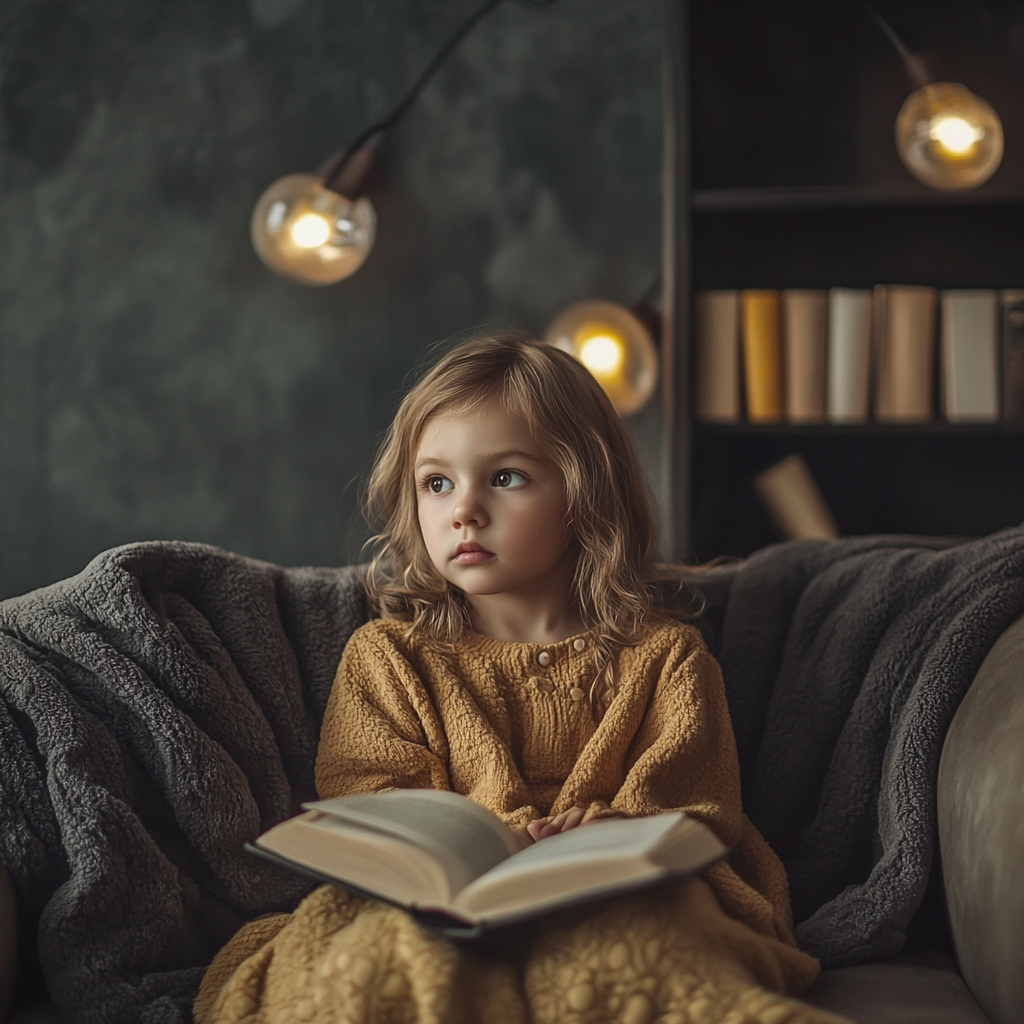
509	725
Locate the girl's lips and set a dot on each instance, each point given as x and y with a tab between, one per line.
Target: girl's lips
473	557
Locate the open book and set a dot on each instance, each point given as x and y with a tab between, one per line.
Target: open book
461	870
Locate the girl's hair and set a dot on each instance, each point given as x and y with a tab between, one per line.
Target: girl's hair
610	520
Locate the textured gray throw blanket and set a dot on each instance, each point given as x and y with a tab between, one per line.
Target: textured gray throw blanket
162	707
844	662
156	711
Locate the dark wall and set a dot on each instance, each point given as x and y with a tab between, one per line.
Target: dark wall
155	380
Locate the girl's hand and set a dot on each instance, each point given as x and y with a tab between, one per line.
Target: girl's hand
544	827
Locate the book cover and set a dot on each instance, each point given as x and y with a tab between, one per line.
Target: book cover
849	355
717	357
904	321
805	335
970	356
762	356
1012	345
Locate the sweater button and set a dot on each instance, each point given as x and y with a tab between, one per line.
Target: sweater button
579	644
576	693
544	658
544	685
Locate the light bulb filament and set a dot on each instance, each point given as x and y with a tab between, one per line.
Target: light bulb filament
310	231
955	134
602	354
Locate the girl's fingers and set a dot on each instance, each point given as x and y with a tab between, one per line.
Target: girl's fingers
524	836
535	829
563	822
553	824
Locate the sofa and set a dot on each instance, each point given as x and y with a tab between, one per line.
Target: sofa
960	954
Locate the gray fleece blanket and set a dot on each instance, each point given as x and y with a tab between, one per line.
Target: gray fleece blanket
162	707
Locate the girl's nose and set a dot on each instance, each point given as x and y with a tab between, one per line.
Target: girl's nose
469	511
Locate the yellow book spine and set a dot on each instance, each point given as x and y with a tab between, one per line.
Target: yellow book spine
762	356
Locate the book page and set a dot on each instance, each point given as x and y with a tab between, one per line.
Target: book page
370	861
467	839
630	837
610	856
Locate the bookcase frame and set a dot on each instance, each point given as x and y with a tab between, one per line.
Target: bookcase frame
935	478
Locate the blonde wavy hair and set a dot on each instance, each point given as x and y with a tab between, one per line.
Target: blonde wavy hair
611	525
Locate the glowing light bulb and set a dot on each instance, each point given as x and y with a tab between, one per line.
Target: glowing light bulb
602	355
949	138
954	134
614	346
308	233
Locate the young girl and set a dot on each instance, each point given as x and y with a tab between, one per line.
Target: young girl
522	661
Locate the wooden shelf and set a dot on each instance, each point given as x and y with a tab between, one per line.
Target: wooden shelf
823	197
935	428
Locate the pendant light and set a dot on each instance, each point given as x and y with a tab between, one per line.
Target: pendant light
318	228
945	135
615	345
949	138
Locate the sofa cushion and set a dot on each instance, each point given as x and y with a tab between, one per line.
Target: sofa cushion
916	989
981	829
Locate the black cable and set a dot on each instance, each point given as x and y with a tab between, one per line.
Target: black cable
915	67
376	132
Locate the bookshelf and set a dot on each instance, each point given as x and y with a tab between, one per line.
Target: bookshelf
785	176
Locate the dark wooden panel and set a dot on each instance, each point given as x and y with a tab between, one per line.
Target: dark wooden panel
964	484
948	247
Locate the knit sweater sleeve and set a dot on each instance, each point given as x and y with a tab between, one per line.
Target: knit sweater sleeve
684	758
380	729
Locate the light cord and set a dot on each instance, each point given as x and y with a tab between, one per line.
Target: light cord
916	68
375	134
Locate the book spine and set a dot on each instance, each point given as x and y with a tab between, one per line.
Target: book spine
1012	303
762	356
805	331
880	355
849	355
793	499
717	362
970	346
906	381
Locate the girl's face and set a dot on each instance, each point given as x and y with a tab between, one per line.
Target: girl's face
491	507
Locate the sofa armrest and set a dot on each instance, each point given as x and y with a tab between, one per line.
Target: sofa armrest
8	942
981	829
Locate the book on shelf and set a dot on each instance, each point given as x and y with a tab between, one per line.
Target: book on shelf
849	355
904	351
1012	354
794	500
717	357
970	355
461	870
805	336
762	355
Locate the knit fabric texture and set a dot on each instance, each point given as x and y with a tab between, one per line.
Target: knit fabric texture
508	725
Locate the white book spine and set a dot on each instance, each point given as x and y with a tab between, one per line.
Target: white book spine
970	356
717	369
849	355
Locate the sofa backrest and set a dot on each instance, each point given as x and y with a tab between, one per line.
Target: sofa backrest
8	941
981	829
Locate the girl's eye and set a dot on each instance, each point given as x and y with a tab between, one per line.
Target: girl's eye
508	478
438	484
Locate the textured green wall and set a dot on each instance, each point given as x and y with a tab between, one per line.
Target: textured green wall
155	380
